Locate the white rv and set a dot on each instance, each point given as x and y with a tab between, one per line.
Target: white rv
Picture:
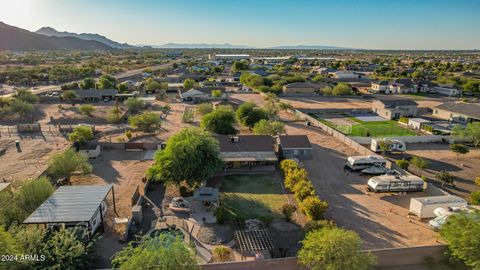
443	213
396	183
362	162
395	145
424	207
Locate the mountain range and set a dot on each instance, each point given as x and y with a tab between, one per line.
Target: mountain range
49	31
47	38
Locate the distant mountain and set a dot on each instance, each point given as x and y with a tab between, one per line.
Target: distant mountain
308	47
51	32
17	39
199	46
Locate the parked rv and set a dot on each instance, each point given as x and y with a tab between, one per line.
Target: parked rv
424	207
363	162
395	145
443	213
396	183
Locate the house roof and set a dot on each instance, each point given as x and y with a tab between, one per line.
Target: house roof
306	85
95	93
389	103
70	204
246	143
468	109
294	141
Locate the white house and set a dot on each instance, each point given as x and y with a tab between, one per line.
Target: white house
446	90
346	75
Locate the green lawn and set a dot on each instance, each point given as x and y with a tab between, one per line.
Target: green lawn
388	128
251	196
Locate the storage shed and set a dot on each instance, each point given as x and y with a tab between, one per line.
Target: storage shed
424	207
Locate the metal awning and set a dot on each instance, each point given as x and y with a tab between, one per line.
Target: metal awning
70	204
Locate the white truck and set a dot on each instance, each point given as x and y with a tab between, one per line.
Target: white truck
424	207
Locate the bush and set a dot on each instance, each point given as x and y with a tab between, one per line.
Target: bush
288	210
313	207
303	189
402	163
477	181
87	109
475	197
221	214
295	176
146	121
204	108
288	165
81	134
445	177
314	225
222	254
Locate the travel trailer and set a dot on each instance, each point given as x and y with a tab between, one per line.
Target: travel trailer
443	213
396	183
395	145
424	207
362	162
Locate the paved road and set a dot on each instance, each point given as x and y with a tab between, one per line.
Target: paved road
126	74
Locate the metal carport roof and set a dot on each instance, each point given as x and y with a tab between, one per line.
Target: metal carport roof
70	204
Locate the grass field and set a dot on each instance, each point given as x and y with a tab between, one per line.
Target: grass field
252	196
389	128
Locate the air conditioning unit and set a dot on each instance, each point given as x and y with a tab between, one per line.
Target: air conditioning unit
234	139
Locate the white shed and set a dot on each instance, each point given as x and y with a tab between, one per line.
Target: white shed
416	123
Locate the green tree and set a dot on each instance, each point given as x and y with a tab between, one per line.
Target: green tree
26	96
342	89
458	148
220	121
327	91
385	145
152	86
248	114
163	253
318	78
419	163
134	105
24	201
69	95
114	116
216	93
81	134
8	246
191	154
204	108
287	211
402	163
461	233
87	109
303	189
470	132
68	162
22	108
88	83
107	82
146	121
188	84
239	66
269	127
334	249
122	88
445	177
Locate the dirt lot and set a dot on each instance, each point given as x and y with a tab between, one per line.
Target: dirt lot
380	219
30	161
124	170
465	169
71	114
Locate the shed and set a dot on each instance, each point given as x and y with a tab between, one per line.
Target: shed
294	146
71	206
416	123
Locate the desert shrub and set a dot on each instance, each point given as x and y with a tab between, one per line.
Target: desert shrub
313	207
314	225
402	163
475	197
303	189
288	210
222	254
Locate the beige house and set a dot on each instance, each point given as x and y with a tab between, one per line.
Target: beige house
395	108
458	112
303	87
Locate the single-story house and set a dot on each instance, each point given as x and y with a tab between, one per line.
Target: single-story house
294	146
201	94
379	86
248	152
95	95
458	112
303	87
343	74
395	108
446	90
71	206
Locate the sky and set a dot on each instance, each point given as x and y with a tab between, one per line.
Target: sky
367	24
